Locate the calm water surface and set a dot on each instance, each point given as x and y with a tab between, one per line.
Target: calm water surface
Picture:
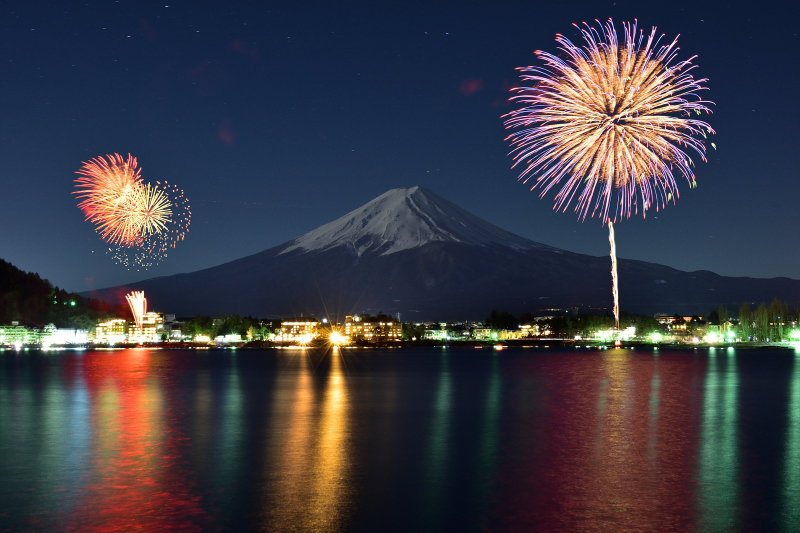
400	440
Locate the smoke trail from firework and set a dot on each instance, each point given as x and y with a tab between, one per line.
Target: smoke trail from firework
608	123
614	279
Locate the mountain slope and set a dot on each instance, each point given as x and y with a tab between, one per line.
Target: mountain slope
413	252
401	219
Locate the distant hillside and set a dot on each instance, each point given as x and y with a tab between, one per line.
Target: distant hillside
414	252
27	298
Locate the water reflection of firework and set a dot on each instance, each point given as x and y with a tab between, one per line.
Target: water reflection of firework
140	221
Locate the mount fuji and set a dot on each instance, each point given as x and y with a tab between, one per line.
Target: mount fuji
411	251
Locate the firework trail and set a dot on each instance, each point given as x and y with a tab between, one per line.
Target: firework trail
607	123
614	278
140	221
138	304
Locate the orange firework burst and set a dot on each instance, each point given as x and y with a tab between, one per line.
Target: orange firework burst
141	220
609	121
109	190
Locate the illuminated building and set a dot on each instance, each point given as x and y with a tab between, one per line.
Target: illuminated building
228	339
111	331
524	331
152	326
435	334
59	336
374	329
13	334
481	333
298	330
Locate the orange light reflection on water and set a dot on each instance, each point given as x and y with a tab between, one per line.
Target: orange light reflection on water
313	488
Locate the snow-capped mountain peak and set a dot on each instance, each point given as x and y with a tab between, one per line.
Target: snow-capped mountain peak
406	218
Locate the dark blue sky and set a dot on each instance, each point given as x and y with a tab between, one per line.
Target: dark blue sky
276	118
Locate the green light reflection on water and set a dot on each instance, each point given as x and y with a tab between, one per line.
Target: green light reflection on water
232	429
489	446
719	491
438	447
790	493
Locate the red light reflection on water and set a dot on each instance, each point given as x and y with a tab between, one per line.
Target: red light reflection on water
612	448
137	480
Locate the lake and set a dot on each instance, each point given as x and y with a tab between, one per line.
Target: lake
411	439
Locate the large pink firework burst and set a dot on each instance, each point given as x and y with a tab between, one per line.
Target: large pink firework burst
609	122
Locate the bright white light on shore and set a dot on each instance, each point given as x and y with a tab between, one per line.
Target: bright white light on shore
336	337
711	338
656	337
796	334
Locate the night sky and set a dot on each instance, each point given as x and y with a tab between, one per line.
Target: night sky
276	118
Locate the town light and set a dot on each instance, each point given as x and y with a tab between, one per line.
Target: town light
796	334
336	338
656	337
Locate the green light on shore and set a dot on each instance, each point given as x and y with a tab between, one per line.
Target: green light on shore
656	337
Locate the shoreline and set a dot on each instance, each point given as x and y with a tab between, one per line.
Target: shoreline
488	345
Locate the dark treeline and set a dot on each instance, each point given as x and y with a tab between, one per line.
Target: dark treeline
229	325
773	322
570	326
33	301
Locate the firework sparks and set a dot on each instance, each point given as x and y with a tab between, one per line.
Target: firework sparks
108	191
609	122
138	304
140	221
